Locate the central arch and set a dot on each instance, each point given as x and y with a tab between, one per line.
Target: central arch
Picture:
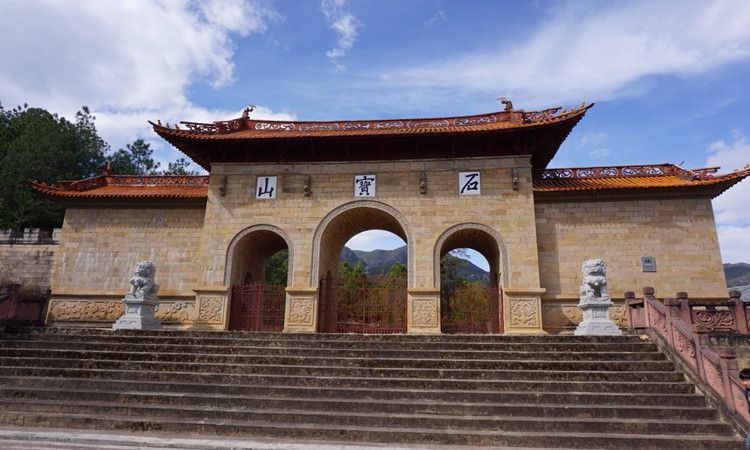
348	220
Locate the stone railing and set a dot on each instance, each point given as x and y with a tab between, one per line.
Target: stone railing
684	324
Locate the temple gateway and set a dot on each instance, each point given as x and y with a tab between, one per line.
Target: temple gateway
478	182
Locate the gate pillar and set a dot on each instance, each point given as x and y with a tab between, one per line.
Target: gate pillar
522	311
301	314
423	311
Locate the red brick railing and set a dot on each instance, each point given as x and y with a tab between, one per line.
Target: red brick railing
16	308
684	324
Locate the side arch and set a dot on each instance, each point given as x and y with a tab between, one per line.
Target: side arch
276	238
482	238
383	216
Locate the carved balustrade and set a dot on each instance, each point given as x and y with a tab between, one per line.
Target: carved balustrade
684	325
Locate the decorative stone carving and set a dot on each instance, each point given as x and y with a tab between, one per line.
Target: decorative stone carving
141	300
210	309
300	311
177	312
85	311
424	312
594	301
524	313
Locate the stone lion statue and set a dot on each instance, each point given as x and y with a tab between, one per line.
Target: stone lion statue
594	284
142	282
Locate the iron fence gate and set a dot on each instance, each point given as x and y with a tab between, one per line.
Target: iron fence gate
374	305
257	307
470	310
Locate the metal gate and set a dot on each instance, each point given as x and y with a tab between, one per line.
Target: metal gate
470	310
257	307
374	305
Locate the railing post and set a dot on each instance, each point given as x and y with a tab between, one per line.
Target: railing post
684	308
740	315
636	311
728	363
701	339
672	306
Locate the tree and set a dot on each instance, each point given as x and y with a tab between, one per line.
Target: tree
38	145
277	268
398	270
179	167
450	267
136	160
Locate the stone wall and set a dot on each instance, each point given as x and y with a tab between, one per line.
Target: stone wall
26	258
317	225
680	233
99	248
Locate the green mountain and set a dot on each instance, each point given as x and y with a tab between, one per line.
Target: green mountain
737	274
379	262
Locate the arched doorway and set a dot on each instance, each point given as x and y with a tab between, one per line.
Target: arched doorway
471	306
362	304
258	301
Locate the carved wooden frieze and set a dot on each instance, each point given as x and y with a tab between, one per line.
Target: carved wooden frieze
300	311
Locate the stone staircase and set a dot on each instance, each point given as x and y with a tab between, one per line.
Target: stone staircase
457	390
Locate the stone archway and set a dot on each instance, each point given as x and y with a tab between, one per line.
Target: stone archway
361	304
482	238
249	250
348	220
255	305
472	308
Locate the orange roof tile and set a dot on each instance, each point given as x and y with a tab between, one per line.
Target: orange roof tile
635	177
252	140
124	186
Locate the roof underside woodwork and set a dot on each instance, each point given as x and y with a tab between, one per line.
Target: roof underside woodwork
507	133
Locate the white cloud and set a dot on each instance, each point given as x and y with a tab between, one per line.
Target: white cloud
438	18
128	61
729	206
593	51
734	243
375	240
345	24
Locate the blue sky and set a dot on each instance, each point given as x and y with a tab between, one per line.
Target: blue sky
669	78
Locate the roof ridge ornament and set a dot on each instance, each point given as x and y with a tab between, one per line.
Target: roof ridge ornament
508	104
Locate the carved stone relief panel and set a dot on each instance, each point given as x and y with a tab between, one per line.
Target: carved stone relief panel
424	312
86	310
182	312
211	308
524	313
301	311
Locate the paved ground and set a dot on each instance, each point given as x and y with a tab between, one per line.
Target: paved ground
45	439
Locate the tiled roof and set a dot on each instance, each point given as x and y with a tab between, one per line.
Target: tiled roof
509	132
635	177
127	186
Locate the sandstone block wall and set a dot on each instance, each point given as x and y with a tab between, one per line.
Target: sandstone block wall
680	233
27	257
99	248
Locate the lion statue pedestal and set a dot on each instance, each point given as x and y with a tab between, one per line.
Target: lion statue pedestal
141	300
594	302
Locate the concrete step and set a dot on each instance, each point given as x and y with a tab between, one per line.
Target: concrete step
465	421
353	433
531	391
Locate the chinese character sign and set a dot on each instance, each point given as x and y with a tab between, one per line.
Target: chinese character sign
266	187
469	183
364	186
